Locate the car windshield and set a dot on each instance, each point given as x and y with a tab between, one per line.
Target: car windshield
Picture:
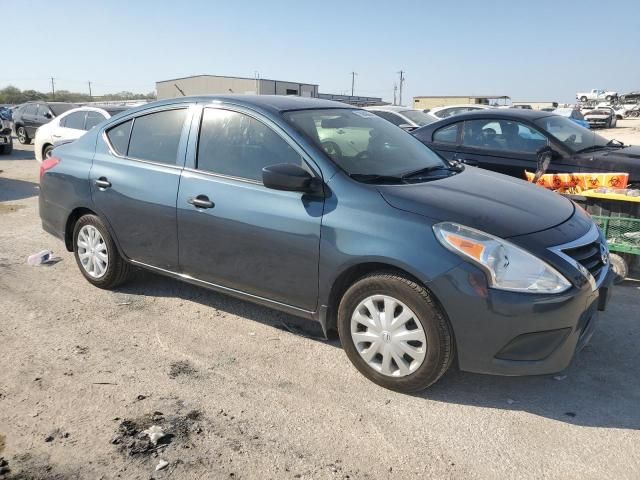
418	117
362	143
59	108
570	134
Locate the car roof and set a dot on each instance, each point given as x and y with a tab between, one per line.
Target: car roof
390	108
508	113
273	103
462	105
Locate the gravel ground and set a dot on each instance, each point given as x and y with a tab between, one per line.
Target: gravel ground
83	371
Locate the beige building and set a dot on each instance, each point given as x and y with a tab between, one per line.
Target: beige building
535	105
215	84
425	102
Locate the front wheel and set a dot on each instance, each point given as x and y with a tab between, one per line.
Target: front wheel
583	99
394	333
96	254
23	137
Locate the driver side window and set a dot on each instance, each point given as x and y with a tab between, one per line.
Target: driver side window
237	145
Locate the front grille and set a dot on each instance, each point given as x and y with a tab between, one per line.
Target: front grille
590	256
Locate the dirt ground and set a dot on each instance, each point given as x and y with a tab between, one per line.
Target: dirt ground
245	392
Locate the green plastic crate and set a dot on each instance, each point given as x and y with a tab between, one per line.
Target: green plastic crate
622	233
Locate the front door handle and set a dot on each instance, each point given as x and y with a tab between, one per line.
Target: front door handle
201	201
102	182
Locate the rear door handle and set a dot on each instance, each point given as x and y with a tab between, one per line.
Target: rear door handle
102	182
201	201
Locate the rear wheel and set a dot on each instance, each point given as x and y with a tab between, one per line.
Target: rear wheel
96	254
23	137
619	266
394	333
46	151
583	99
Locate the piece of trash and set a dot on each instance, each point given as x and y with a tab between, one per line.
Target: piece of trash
559	377
39	258
155	433
49	438
141	397
510	401
162	464
123	303
252	334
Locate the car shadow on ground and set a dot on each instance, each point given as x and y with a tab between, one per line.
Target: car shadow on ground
11	189
18	154
150	284
600	389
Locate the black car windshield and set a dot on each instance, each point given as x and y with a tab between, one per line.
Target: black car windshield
570	134
419	118
362	143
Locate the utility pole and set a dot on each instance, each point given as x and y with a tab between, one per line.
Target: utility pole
90	96
353	81
53	89
395	91
401	72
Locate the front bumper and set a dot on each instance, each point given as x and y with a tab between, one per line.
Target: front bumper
509	333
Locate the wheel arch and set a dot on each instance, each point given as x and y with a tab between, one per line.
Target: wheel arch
352	274
73	217
44	146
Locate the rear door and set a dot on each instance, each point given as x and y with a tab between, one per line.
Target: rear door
134	181
70	127
251	238
29	118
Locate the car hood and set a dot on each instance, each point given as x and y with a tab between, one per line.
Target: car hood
625	159
494	203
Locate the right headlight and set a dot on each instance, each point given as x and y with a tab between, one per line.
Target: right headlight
508	267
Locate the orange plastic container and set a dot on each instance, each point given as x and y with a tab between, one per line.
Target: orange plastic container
580	181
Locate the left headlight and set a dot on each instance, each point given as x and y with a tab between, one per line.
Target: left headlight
508	267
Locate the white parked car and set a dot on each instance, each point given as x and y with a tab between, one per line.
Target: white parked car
451	110
601	117
70	126
596	94
404	117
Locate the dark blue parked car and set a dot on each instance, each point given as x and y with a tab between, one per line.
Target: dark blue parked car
328	212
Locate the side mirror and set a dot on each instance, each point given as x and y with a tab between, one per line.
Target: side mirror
407	127
48	115
289	177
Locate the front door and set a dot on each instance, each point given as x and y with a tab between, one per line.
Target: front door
233	231
134	181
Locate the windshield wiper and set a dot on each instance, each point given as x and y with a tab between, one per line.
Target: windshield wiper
422	172
373	178
615	143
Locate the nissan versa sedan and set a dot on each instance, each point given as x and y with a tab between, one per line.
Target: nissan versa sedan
413	260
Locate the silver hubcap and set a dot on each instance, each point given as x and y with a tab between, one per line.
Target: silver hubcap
92	251
388	336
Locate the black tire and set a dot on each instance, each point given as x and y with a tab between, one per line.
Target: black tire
620	268
7	149
23	136
440	342
46	151
608	98
118	270
583	99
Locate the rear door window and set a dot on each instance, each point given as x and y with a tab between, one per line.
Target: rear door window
155	137
74	120
502	135
448	134
119	137
93	119
43	110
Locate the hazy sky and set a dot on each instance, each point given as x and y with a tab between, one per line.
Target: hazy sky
530	50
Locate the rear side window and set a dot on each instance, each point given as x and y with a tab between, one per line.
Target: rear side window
74	120
93	119
155	137
448	134
43	110
119	137
30	110
238	145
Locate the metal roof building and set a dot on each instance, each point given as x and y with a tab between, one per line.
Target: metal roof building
222	85
423	102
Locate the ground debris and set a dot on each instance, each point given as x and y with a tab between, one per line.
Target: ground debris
182	368
162	464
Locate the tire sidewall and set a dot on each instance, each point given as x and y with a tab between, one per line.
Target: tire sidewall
24	138
112	253
427	313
